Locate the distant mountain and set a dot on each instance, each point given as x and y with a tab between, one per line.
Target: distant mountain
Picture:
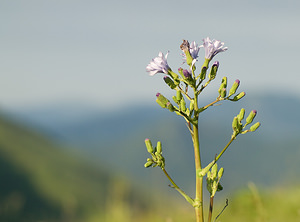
40	181
268	156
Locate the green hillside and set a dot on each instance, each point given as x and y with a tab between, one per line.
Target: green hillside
40	180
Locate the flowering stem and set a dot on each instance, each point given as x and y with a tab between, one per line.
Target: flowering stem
199	180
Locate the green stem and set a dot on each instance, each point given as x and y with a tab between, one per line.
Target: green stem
199	180
174	185
225	148
211	204
211	104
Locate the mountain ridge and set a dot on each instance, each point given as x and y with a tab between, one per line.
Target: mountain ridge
117	138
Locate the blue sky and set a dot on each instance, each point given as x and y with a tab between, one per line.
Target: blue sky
95	52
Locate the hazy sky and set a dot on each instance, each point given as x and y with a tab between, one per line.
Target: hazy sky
96	51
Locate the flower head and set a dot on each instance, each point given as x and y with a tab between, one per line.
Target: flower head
212	47
158	65
192	48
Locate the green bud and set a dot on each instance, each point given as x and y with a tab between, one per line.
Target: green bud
214	171
161	100
241	114
223	93
173	75
224	82
170	107
213	71
148	164
239	96
192	105
175	100
158	147
203	72
208	174
178	95
160	103
204	68
223	85
234	87
149	146
236	125
220	173
251	116
254	127
182	105
169	82
180	70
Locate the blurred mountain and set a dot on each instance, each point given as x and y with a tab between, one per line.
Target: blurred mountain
267	157
40	181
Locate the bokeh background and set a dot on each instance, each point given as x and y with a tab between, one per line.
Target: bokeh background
77	103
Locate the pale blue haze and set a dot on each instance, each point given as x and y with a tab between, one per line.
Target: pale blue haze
96	52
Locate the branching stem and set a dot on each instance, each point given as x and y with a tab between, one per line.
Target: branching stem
174	185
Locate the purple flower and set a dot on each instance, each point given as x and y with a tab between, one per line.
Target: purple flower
212	47
187	73
158	65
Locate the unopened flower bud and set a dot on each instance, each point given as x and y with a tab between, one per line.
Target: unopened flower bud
182	105
223	93
178	95
224	81
214	171
208	175
161	100
254	127
203	72
235	124
241	115
220	173
239	96
186	73
169	82
251	116
180	71
149	146
234	87
223	85
192	105
175	100
158	147
148	164
170	107
213	70
173	75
